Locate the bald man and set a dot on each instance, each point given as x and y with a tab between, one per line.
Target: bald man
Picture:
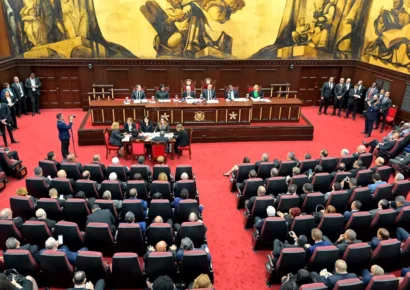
361	149
251	201
41	216
375	270
340	273
62	174
53	245
379	162
161	246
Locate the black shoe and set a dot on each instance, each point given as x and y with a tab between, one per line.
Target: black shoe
15	141
363	132
26	113
33	114
319	113
365	143
38	112
333	114
367	136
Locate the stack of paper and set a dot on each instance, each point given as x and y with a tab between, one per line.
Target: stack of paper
240	100
164	101
213	102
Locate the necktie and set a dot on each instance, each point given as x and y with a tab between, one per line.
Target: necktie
384	99
330	85
21	91
138	95
209	95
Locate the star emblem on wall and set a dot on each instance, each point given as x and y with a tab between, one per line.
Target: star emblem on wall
233	116
165	116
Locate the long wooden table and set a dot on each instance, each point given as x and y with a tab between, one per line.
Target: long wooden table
225	112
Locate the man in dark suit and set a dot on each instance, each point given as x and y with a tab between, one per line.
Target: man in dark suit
362	92
375	270
401	159
386	104
354	96
326	94
96	160
357	166
188	94
361	149
382	205
53	193
340	273
399	202
80	283
71	158
138	93
87	176
7	214
6	121
18	91
369	96
129	125
209	93
51	156
62	174
379	162
346	239
340	90
38	172
385	146
41	216
252	174
162	138
261	192
354	207
99	215
372	115
63	133
382	235
348	86
265	158
231	93
32	85
14	244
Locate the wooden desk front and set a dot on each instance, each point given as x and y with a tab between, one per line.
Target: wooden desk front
285	110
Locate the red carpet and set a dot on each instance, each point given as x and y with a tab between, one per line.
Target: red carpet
235	265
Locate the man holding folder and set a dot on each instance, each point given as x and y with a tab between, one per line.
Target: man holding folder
354	96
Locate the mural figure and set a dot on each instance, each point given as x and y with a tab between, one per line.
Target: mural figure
323	19
184	30
303	32
33	24
393	36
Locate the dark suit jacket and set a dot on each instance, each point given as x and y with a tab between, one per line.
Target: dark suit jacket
16	90
366	277
63	133
103	168
116	138
13	100
373	111
348	214
141	95
205	95
160	127
387	145
162	95
127	127
185	94
251	201
374	168
60	201
147	128
58	165
362	90
5	113
331	281
33	249
27	85
18	221
386	105
182	139
228	94
355	170
342	246
50	223
352	93
370	94
374	243
102	216
327	92
340	90
347	89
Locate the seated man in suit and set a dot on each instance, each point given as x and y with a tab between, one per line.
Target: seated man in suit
80	283
160	247
307	188
96	160
51	156
402	235
41	216
382	235
184	195
71	158
292	189
162	138
141	161
113	176
99	215
278	246
335	187
188	245
14	244
129	218
399	202
138	93
381	205
209	93
53	193
117	203
133	194
252	174
138	176
375	270
317	237
7	214
38	172
340	168
261	192
377	179
361	149
63	175
382	146
188	94
265	158
346	239
403	160
351	184
354	207
116	161
87	175
129	126
340	273
357	166
53	245
231	93
258	222
379	162
136	136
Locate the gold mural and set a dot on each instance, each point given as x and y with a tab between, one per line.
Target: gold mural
376	31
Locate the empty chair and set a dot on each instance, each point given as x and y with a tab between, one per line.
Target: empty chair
92	264
164	187
273	228
305	165
107	204
241	175
72	237
98	238
157	169
159	264
52	208
383	191
185	208
264	169
276	185
126	271
141	169
119	170
359	222
130	239
331	225
140	186
184	168
63	186
96	173
88	187
328	164
385	172
8	230
366	158
159	232
189	185
339	199
383	219
349	284
303	225
37	187
114	187
386	254
381	282
401	188
311	201
357	257
56	267
160	208
22	261
250	189
348	161
321	182
134	206
22	206
193	264
364	177
76	210
313	286
323	258
258	210
49	168
286	202
286	167
299	181
289	261
362	194
195	231
71	169
36	233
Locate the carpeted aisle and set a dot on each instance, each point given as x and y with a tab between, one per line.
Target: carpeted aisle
235	265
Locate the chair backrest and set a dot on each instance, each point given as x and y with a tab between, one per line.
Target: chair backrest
63	186
260	205
52	208
135	206
48	167
126	271
357	256
312	200
72	236
36	232
286	202
387	249
8	229
141	169
303	224
264	169
22	206
195	231
185	208
243	171
276	185
184	168
22	261
92	264
299	181
106	137
403	217
194	263
349	284
339	199
88	187
366	158
328	164
114	187
107	204
340	176
381	282
159	264
401	188
405	283
392	112
159	207
383	219
157	169
321	182
273	228
138	147
37	187
307	164
348	161
98	238
383	191
130	239
76	210
331	225
364	177
71	169
119	170
157	232
359	221
56	267
140	186
313	286
158	149
363	194
189	185
286	167
96	173
251	187
384	172
164	187
323	258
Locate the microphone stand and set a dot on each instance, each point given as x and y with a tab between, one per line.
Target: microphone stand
72	139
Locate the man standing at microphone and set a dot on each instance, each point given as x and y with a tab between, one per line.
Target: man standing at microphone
64	134
5	121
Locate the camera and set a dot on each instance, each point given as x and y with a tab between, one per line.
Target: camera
73	116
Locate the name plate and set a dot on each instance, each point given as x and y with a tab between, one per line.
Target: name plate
240	100
213	102
140	101
164	101
191	101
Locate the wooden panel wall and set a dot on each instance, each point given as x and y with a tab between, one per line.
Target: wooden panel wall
5	50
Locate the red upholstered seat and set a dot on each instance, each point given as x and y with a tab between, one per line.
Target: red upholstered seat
159	149
391	114
108	146
137	149
187	148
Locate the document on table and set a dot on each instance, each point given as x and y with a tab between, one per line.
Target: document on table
164	101
148	136
213	102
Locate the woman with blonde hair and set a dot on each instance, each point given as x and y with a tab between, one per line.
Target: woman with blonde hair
256	92
202	281
162	176
162	125
22	191
181	139
116	137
